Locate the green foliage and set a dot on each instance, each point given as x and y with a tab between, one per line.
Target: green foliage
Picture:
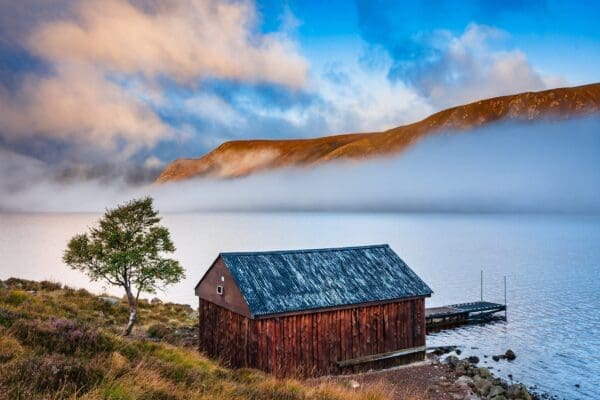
16	297
126	249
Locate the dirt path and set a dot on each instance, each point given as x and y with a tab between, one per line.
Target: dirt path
427	380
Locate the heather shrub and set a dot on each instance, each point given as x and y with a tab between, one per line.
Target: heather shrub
61	336
158	331
9	348
7	317
54	373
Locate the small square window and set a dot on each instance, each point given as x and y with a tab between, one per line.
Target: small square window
220	290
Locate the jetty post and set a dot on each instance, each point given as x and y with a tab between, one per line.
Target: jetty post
481	295
505	311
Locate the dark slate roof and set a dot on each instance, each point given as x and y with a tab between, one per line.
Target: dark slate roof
283	281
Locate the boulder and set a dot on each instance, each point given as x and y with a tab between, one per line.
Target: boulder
464	383
496	358
109	300
473	359
518	391
484	372
482	386
496	390
472	371
510	355
452	361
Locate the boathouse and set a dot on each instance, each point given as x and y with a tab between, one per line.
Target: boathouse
312	312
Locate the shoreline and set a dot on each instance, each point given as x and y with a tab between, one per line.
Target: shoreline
441	377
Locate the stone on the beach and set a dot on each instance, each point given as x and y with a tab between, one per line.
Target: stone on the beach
482	386
452	361
510	355
518	391
496	358
496	390
484	372
473	359
464	379
462	367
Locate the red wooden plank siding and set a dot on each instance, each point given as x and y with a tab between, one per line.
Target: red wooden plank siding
310	344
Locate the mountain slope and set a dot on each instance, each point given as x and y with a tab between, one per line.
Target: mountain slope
244	157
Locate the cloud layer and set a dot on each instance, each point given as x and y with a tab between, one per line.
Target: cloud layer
542	167
107	61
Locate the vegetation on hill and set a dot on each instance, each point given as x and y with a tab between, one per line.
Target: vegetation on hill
57	342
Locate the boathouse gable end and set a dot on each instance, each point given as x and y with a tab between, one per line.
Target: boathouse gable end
219	287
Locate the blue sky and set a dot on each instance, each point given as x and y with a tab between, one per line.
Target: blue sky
121	81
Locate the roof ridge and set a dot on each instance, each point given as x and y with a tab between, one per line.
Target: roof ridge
324	249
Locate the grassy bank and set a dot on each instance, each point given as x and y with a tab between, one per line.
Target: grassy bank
57	342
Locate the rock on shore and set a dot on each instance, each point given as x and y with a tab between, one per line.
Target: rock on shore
479	383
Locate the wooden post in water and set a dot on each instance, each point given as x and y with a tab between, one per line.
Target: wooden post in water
505	311
481	285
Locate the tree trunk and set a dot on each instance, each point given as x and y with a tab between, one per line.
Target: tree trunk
132	313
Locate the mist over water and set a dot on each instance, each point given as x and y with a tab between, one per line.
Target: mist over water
508	167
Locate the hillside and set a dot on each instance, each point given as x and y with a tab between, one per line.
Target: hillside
60	343
244	157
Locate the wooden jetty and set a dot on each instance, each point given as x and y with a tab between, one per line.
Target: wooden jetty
437	318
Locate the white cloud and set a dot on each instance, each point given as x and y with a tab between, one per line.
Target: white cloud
469	68
213	108
368	101
106	60
82	107
184	40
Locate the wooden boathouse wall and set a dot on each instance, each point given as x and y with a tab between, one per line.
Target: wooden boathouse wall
312	343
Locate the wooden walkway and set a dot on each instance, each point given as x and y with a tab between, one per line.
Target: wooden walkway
458	314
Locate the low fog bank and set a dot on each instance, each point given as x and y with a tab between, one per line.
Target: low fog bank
527	167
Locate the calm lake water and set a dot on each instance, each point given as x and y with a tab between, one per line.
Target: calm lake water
552	264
